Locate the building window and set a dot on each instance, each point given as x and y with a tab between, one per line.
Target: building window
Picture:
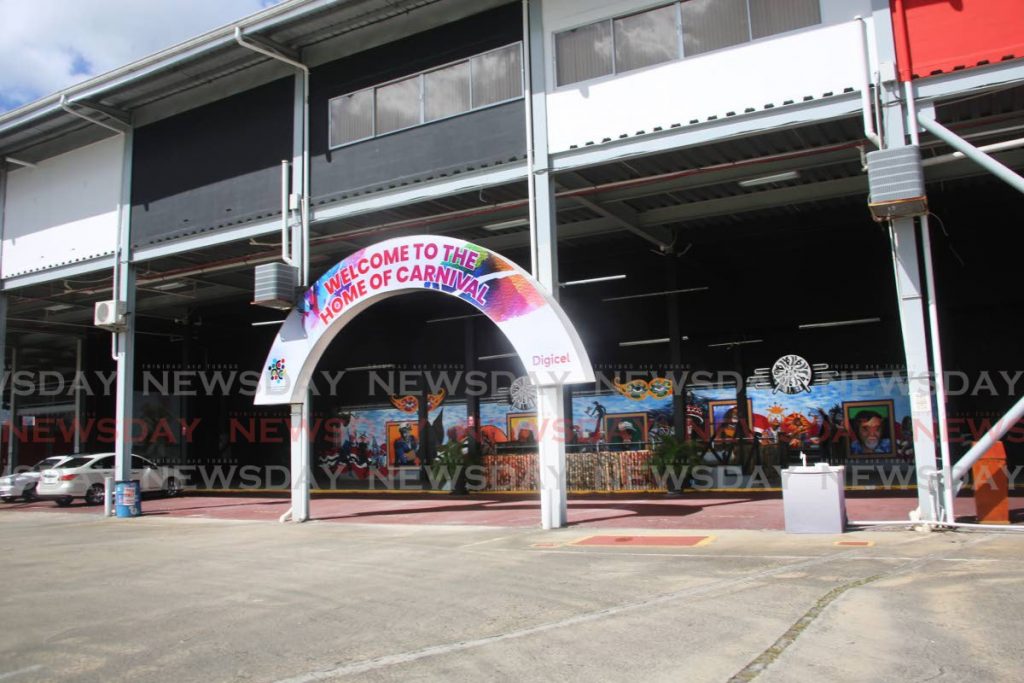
714	24
646	38
497	76
351	117
768	17
584	53
398	105
614	46
446	91
480	81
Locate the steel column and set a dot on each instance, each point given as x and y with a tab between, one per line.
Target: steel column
12	444
913	324
78	397
910	286
300	467
124	340
544	251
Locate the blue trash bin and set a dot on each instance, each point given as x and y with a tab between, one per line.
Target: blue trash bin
127	499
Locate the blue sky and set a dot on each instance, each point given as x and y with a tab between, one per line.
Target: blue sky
47	45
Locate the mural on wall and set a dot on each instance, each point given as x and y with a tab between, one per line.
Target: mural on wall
873	412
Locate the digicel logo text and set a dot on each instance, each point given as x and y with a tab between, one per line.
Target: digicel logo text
551	359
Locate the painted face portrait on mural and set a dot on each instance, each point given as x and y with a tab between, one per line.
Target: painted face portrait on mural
871	434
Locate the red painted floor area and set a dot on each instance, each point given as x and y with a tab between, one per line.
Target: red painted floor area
691	510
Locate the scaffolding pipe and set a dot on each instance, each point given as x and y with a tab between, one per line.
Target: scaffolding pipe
994	147
998	431
973	153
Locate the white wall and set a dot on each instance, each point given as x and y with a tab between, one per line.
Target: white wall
808	62
63	210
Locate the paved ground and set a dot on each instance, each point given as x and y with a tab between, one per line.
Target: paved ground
695	510
178	599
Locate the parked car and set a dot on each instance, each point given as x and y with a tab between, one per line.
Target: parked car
23	484
82	477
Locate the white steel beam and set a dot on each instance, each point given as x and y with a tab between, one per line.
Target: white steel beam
741	125
544	248
124	341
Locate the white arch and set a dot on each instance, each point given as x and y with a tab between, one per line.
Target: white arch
530	318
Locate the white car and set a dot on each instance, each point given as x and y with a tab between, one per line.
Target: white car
23	484
82	477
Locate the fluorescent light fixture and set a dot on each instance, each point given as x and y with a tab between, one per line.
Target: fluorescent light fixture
378	366
648	342
19	162
263	323
505	225
769	179
169	285
58	307
740	342
649	294
498	355
455	317
603	278
840	323
645	342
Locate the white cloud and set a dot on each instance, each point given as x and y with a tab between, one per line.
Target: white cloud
46	45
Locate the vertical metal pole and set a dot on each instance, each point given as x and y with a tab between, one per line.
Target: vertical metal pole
3	296
78	397
909	287
948	491
300	474
544	246
125	339
12	442
472	399
300	177
675	354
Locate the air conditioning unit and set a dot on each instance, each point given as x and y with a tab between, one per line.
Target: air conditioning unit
896	183
275	286
110	315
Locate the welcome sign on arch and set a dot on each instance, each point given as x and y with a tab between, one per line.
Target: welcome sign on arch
530	318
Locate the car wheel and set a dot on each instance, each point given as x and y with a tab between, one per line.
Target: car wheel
172	487
94	496
63	502
29	494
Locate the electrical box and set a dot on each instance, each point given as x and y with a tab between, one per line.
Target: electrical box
110	315
275	286
896	183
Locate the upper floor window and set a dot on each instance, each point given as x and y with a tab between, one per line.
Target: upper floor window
670	32
480	81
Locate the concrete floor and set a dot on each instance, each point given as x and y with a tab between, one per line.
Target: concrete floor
694	510
163	598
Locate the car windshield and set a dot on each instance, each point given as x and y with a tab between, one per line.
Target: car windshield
46	464
73	462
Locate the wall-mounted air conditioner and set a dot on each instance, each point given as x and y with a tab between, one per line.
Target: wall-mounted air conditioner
110	315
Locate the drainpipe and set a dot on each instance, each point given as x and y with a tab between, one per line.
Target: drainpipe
528	100
865	87
304	173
